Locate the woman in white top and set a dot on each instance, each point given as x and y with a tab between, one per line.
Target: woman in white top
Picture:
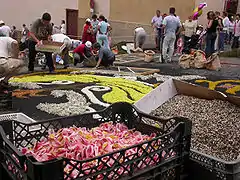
190	28
102	34
231	30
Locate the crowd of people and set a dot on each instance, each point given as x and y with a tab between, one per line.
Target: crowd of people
97	30
171	37
11	59
174	37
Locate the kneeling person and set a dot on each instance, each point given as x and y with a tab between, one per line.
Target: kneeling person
9	65
105	56
82	52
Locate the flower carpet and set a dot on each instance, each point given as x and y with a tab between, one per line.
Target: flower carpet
43	96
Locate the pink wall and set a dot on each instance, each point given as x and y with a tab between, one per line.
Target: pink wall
17	12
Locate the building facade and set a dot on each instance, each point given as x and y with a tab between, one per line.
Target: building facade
125	15
18	12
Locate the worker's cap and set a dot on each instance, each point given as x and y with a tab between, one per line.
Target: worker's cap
1	22
88	20
88	44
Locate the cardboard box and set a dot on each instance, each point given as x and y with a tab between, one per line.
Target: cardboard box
172	87
49	46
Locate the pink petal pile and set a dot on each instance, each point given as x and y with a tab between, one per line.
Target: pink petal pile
80	144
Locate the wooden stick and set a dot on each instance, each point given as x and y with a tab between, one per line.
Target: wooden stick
144	69
150	72
130	70
131	61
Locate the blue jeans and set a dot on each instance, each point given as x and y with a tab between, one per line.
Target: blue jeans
102	39
221	41
168	46
210	43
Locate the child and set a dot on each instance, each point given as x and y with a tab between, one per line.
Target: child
201	34
179	46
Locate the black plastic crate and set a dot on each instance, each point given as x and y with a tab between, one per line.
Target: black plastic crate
172	145
207	167
5	100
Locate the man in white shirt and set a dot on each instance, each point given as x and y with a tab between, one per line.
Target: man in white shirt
6	30
9	62
139	37
172	27
67	44
157	23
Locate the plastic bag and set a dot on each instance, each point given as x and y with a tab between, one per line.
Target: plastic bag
213	62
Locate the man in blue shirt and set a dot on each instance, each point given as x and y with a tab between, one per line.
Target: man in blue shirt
170	25
105	56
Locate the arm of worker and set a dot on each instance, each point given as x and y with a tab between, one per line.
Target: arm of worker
50	30
14	49
100	56
179	28
135	39
153	23
33	32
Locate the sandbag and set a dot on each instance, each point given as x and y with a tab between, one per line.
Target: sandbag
149	55
199	59
90	62
185	61
213	62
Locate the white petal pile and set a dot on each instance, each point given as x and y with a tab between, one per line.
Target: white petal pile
128	75
26	85
77	104
160	77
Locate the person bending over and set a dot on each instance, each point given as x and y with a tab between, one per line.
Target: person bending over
105	56
139	37
9	62
64	49
82	52
41	29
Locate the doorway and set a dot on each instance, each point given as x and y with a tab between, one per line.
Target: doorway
72	23
231	6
